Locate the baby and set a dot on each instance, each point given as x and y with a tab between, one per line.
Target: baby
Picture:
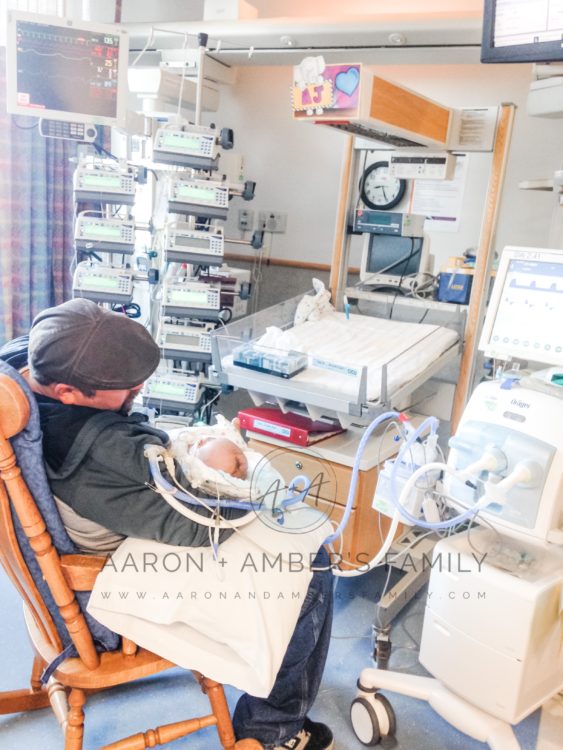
224	455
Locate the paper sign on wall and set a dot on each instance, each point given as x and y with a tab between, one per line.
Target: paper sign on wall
441	200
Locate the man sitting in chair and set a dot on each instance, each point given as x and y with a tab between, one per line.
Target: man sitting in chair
86	366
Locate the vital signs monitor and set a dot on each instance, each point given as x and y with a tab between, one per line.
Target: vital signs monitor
526	309
66	70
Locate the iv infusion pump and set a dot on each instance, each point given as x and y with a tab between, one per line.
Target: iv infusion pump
196	147
102	283
187	340
97	233
104	183
180	391
191	299
186	245
205	198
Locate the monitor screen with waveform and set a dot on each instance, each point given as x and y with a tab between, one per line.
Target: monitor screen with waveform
526	307
62	70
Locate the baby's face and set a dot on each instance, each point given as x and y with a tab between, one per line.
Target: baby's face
224	455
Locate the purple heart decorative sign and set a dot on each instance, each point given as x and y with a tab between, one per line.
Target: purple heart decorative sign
332	93
347	81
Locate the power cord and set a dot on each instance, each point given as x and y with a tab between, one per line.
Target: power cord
131	310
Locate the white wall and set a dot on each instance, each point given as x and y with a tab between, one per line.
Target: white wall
297	165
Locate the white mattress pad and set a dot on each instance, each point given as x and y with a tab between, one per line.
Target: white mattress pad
362	340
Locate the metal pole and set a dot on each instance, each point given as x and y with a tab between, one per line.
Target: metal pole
341	247
202	42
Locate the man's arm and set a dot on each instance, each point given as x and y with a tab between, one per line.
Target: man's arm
112	486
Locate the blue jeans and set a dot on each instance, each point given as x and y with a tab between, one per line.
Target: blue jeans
274	719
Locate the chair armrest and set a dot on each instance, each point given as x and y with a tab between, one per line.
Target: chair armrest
80	571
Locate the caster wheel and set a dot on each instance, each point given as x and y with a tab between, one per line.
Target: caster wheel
372	718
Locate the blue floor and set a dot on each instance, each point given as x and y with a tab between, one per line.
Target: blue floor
174	695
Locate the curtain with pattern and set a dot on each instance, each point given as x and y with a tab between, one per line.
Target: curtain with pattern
36	219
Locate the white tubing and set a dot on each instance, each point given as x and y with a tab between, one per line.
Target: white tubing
220	522
420	472
374	562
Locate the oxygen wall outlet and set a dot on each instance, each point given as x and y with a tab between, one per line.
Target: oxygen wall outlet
245	219
272	221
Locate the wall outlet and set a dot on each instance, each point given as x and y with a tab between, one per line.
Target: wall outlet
272	221
245	219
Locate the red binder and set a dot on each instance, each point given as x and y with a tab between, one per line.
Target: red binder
289	427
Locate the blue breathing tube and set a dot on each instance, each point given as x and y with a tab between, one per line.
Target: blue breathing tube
430	423
300	485
298	489
295	495
355	471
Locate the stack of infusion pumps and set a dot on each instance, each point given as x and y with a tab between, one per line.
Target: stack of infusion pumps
194	299
104	232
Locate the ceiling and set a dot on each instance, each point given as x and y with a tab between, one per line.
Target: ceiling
285	31
388	39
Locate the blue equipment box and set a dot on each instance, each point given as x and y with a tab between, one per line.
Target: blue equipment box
455	286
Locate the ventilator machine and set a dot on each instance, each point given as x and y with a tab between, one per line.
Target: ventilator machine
493	625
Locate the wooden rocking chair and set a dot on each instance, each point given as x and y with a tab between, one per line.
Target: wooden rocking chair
75	677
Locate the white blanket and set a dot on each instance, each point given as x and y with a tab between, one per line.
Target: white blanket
231	619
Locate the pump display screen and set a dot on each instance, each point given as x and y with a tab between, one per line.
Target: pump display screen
167	389
102	230
174	338
100	180
196	193
100	282
175	140
188	297
184	241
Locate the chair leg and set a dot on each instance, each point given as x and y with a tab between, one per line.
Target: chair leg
14	701
59	702
216	694
75	727
36	672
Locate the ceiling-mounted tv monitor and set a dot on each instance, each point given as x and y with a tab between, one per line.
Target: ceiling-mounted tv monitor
60	69
522	31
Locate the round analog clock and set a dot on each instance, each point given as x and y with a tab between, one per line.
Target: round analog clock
378	190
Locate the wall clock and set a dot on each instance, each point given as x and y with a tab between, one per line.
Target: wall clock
379	190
